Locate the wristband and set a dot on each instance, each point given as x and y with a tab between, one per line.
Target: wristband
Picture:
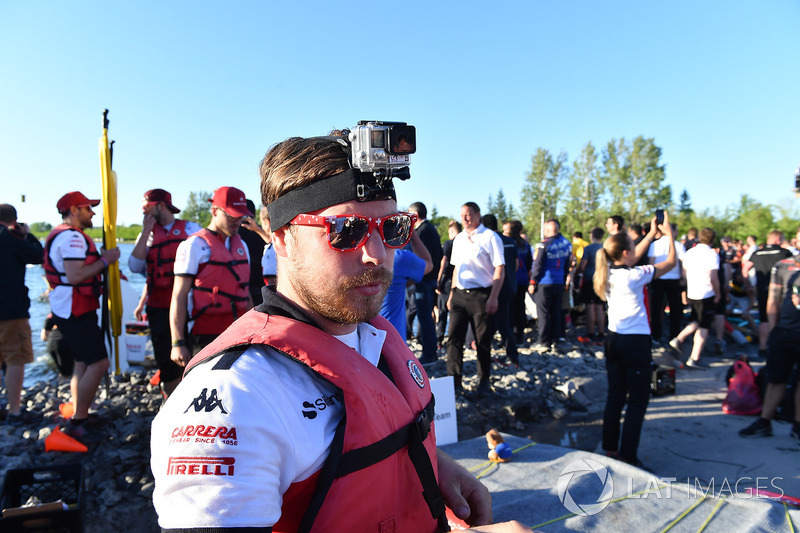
105	262
178	343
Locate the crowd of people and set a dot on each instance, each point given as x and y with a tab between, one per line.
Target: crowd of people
343	283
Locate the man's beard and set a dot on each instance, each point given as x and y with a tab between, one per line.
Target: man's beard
333	298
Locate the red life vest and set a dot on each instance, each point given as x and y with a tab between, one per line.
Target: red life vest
85	295
220	293
160	261
381	472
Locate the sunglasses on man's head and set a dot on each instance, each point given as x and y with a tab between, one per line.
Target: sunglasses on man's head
350	232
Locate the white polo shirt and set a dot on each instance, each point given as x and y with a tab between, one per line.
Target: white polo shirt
475	257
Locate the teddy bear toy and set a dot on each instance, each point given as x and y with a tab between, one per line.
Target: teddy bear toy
499	451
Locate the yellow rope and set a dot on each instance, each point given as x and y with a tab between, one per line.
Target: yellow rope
788	518
710	516
486	470
477	467
683	515
570	515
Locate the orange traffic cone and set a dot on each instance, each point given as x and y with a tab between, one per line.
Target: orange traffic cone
66	410
61	442
156	379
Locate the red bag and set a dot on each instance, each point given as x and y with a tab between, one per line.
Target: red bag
743	397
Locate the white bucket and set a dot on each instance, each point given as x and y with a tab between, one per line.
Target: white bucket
136	347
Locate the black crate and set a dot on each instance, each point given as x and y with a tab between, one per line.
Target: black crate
49	484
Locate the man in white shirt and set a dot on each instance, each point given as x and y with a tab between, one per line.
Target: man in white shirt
700	266
283	414
212	277
477	279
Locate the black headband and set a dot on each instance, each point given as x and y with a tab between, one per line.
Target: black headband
352	184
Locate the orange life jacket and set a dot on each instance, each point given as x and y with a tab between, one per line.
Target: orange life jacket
220	293
85	295
380	474
160	262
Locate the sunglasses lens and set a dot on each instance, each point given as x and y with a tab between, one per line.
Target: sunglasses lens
397	230
347	233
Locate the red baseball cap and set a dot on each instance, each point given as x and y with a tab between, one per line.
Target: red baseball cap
74	198
232	201
160	195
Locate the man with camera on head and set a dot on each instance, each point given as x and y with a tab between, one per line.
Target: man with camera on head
316	402
212	277
153	256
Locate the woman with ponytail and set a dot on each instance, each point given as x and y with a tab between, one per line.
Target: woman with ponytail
627	346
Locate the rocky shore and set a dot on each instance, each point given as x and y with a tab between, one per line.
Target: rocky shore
546	389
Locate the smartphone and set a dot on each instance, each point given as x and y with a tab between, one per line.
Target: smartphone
659	216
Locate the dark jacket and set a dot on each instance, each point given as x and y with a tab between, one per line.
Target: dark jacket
16	251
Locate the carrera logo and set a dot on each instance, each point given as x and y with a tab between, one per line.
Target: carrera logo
204	434
200	466
206	402
320	404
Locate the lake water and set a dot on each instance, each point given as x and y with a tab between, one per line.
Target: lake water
43	367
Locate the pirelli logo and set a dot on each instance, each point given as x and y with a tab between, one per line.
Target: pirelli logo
200	466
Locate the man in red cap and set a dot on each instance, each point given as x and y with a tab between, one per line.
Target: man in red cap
154	257
212	274
73	267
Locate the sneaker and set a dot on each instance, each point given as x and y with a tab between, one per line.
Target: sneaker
483	389
691	363
718	346
676	345
15	420
428	360
760	428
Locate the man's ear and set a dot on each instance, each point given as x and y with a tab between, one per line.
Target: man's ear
279	238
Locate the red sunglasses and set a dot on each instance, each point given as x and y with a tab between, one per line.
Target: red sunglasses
350	232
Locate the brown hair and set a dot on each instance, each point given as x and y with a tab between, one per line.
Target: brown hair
707	236
613	247
298	161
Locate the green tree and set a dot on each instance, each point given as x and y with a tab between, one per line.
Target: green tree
615	176
504	211
197	208
584	192
635	178
542	190
685	205
648	191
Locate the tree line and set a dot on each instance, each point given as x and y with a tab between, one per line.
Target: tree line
624	178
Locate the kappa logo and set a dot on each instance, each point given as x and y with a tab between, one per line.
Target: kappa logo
320	404
176	232
240	251
200	466
206	403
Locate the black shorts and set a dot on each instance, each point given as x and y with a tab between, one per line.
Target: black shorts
721	307
158	319
83	338
783	352
703	312
588	296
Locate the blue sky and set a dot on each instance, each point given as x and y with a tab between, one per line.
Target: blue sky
198	91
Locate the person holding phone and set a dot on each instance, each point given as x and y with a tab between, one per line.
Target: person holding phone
621	283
